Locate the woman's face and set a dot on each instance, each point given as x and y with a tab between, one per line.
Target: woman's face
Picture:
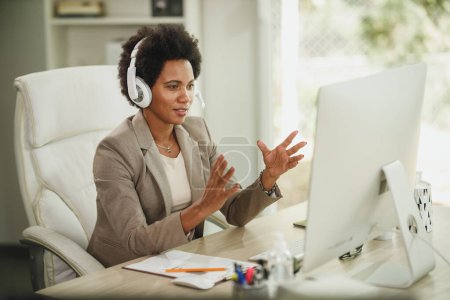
173	92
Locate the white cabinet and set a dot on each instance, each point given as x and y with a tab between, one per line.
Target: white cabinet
77	41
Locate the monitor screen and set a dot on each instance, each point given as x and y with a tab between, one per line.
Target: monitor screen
362	125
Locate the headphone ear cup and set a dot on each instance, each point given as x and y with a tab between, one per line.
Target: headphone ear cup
144	97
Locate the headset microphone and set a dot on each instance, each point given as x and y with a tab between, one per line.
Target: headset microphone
198	95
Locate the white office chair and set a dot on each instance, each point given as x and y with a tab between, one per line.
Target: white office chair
61	116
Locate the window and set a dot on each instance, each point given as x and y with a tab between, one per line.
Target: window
319	42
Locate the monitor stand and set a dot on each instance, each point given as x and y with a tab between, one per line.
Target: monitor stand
419	255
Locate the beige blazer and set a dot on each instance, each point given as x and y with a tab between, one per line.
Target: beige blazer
134	201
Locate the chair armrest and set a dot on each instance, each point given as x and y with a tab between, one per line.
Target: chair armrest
219	220
70	252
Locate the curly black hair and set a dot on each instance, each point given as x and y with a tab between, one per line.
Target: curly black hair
163	42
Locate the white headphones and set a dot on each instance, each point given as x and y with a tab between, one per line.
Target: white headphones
139	92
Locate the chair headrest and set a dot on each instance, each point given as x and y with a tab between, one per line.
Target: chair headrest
64	102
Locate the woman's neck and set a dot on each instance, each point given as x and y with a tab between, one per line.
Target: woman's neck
162	132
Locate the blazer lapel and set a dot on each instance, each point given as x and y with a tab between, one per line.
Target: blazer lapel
152	160
192	160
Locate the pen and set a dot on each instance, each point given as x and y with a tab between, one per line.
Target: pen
240	275
195	270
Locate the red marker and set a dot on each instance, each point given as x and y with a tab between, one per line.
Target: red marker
249	276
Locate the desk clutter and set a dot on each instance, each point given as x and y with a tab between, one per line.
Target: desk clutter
251	283
261	282
203	271
190	269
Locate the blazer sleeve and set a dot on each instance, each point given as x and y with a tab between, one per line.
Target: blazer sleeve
247	203
121	209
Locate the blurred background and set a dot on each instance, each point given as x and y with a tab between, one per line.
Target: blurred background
263	62
322	42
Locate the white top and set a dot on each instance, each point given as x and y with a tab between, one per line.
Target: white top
178	181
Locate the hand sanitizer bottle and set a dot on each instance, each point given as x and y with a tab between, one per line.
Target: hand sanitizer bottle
281	264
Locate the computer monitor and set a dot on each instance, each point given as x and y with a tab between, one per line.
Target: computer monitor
367	129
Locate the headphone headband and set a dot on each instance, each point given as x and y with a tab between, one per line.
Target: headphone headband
134	53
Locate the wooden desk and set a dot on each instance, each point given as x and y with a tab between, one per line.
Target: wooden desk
241	243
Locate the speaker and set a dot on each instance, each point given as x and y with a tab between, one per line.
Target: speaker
138	91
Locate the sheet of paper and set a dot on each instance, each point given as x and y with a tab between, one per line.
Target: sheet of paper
180	259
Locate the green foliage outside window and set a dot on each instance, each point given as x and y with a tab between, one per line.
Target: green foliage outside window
403	31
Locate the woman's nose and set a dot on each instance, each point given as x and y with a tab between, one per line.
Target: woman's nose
186	95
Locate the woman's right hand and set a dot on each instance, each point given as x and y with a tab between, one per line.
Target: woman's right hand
215	193
213	198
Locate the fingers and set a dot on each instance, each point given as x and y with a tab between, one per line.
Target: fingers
221	168
216	165
289	139
292	165
228	175
218	178
294	160
262	147
216	192
295	148
232	190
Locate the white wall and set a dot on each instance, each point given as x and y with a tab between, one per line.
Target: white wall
229	47
21	52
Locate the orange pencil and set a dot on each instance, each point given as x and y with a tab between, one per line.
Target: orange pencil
195	270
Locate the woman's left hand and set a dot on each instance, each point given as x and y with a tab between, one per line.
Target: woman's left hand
280	159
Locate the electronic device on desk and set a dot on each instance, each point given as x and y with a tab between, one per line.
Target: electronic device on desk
75	8
366	140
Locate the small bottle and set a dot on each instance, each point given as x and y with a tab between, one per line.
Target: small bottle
281	264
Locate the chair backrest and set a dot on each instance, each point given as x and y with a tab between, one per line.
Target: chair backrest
61	115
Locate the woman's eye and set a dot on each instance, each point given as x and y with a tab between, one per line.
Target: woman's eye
172	87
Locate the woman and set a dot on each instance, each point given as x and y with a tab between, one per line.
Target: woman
158	175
